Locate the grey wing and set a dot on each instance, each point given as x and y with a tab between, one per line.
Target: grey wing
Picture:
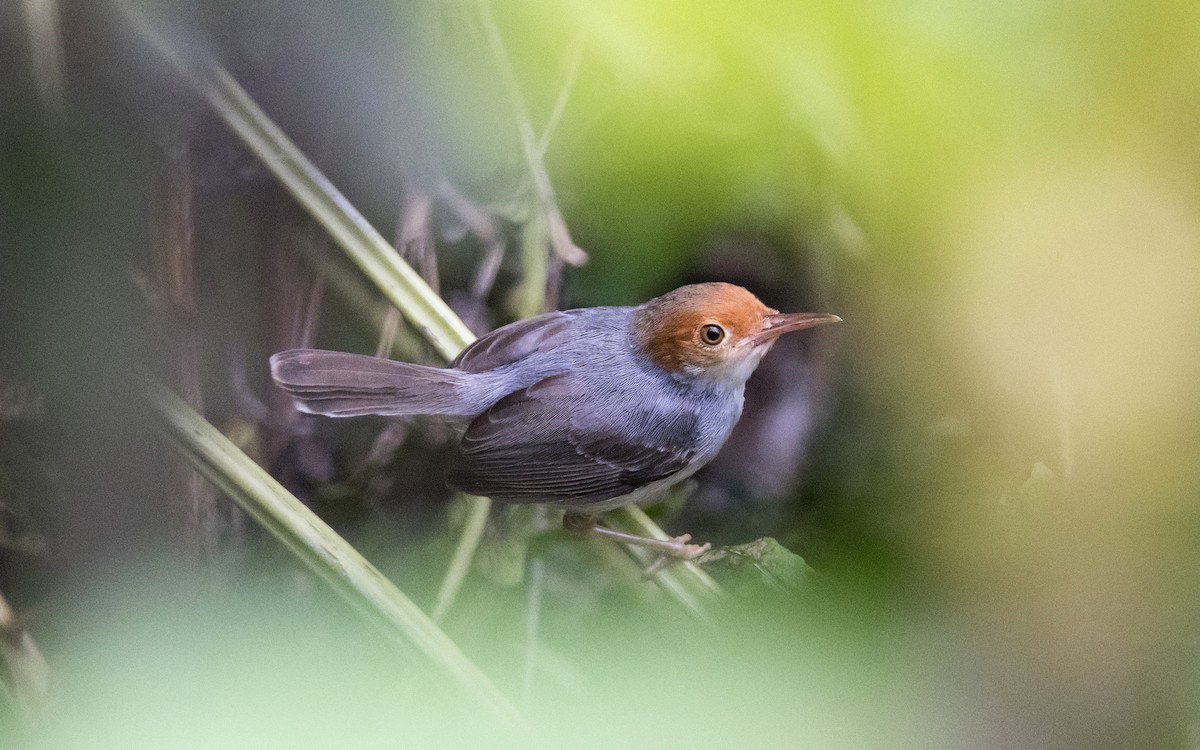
533	446
513	342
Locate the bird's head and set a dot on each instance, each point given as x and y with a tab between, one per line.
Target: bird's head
714	331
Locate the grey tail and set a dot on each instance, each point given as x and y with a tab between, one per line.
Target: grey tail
337	384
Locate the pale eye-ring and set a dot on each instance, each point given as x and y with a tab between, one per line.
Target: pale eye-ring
712	334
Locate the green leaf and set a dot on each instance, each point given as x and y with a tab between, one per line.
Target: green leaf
761	563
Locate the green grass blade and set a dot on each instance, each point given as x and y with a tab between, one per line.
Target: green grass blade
373	254
468	542
319	547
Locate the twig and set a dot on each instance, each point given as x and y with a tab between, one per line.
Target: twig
489	267
387	332
305	329
414	237
201	521
362	301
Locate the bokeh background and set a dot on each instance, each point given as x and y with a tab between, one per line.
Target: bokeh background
991	467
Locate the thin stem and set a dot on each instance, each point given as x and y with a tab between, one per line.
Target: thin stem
560	239
348	287
574	57
306	325
387	333
464	553
537	585
534	268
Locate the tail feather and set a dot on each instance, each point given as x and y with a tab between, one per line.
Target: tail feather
338	384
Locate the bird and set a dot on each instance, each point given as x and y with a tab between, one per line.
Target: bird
585	409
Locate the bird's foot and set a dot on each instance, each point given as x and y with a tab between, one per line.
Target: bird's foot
684	550
678	548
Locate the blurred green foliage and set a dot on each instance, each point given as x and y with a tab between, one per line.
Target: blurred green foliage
1000	507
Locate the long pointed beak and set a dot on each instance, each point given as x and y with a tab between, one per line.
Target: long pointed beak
778	324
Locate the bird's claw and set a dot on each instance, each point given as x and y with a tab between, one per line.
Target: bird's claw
686	551
681	551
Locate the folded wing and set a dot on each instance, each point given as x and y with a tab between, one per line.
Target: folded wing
543	444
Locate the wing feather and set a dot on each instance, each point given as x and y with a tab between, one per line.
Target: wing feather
541	444
513	342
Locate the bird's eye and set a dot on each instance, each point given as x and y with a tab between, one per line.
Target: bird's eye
712	334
